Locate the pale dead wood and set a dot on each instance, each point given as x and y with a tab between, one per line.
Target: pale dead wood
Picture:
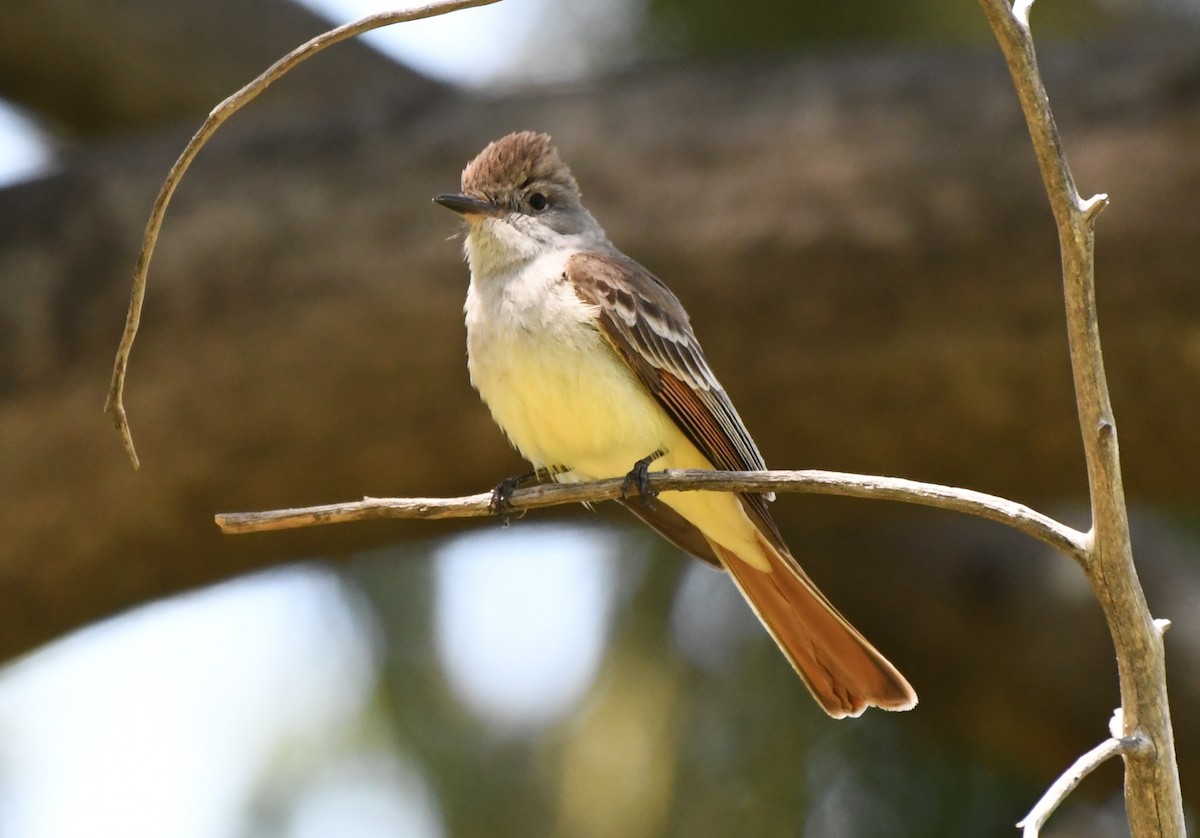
812	481
114	405
1031	824
1153	800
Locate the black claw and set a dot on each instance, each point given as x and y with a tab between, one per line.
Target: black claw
501	505
639	478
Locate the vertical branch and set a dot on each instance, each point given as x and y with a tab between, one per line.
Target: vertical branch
1152	795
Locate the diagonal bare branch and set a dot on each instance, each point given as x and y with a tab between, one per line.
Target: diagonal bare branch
1031	825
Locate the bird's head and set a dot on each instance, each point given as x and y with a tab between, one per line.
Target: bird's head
520	200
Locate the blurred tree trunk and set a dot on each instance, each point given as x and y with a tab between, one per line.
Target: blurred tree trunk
862	242
91	70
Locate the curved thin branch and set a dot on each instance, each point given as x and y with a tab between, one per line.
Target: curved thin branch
1015	515
1031	824
114	405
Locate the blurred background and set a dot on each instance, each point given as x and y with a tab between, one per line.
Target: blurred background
841	193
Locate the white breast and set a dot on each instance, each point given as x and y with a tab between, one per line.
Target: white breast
551	380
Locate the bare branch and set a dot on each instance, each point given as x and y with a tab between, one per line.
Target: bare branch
1067	781
982	505
1153	800
114	405
1032	823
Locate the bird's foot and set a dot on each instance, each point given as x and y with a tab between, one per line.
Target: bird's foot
501	503
639	478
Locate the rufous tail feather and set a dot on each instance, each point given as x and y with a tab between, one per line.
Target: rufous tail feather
843	671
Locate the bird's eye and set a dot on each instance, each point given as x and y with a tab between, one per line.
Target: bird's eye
537	202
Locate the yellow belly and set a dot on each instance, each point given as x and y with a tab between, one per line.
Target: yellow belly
576	405
569	401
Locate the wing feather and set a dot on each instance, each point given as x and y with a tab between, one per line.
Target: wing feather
648	327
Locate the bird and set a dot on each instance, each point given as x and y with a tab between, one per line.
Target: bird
590	366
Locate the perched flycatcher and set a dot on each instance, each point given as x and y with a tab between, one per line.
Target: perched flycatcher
588	363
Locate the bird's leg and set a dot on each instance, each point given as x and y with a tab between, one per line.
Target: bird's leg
639	477
500	504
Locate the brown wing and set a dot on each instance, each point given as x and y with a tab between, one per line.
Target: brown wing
644	322
648	326
674	528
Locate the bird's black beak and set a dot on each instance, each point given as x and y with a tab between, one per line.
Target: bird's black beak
466	205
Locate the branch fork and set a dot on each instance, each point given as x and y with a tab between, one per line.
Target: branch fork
1153	800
